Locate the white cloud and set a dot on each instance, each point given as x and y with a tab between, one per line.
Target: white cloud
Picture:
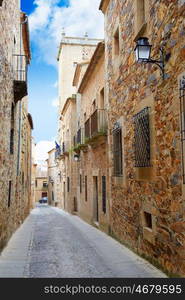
41	150
55	102
48	19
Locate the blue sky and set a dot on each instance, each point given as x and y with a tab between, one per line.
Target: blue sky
47	18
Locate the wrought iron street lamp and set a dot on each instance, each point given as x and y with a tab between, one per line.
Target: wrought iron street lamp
143	54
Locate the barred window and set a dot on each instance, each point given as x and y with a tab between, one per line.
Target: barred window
117	150
104	194
142	138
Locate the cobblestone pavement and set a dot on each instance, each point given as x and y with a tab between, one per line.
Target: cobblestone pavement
54	244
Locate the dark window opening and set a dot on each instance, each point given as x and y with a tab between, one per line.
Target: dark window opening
11	141
23	178
104	194
68	184
45	184
86	188
116	43
36	182
75	205
80	183
12	131
102	99
117	152
142	138
148	220
1	2
9	193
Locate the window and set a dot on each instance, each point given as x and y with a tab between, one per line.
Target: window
12	131
80	183
86	188
142	138
148	220
45	184
116	43
104	194
1	2
68	184
117	150
94	105
102	101
9	193
36	182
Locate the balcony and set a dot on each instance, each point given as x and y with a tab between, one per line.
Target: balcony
80	141
98	127
20	77
93	133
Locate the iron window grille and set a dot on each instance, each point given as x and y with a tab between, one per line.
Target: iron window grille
182	119
142	138
117	150
104	194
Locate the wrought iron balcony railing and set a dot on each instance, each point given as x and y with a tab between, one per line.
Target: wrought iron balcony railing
96	124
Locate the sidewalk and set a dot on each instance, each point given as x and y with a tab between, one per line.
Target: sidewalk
14	259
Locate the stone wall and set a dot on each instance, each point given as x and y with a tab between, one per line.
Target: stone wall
131	86
12	206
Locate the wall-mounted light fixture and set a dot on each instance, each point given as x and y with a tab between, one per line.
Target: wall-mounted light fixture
143	53
77	157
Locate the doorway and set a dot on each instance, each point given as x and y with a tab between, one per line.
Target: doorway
95	198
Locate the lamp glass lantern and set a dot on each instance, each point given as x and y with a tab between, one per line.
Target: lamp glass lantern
143	50
76	157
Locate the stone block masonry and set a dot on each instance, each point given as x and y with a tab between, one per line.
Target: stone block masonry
14	166
147	211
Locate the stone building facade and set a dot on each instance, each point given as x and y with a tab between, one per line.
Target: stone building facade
91	146
53	180
72	50
15	122
146	129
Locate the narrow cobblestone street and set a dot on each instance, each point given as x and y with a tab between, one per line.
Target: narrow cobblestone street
54	244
